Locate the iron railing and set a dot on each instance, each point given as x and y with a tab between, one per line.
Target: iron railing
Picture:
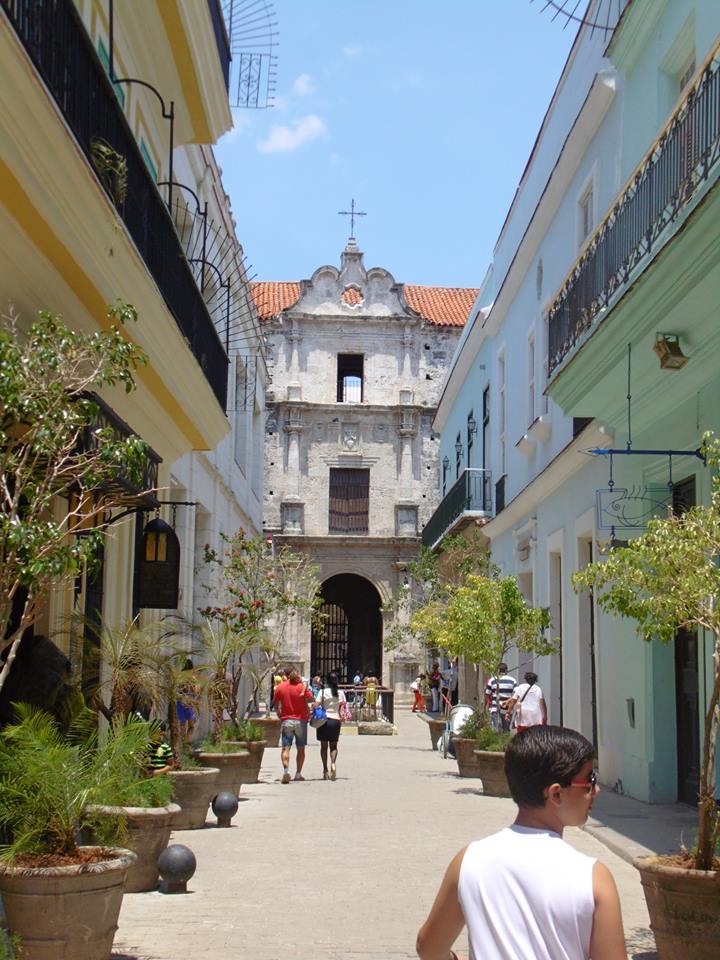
470	494
663	186
59	46
221	39
107	419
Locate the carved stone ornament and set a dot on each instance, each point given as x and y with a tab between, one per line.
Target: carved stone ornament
350	437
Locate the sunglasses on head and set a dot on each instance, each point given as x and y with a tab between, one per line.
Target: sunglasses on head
588	784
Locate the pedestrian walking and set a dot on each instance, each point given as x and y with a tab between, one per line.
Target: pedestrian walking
453	684
292	698
527	703
330	698
434	681
524	893
187	705
498	690
418	689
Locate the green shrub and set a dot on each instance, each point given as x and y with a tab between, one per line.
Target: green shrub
208	745
469	730
488	739
246	731
47	782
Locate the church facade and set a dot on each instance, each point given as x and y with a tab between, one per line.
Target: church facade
357	362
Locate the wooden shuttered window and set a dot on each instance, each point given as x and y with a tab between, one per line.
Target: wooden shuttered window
349	500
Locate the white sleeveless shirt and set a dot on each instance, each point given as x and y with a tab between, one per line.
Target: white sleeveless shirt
526	895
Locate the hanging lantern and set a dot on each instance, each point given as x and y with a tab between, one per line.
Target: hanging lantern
158	569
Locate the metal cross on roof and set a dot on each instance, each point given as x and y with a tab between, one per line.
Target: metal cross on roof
352	213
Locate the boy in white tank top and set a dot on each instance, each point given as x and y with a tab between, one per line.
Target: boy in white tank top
524	893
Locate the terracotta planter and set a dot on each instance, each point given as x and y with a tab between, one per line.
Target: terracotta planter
65	913
491	764
271	729
467	762
684	908
148	833
253	759
230	768
436	728
194	791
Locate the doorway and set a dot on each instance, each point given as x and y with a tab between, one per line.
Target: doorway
350	637
687	701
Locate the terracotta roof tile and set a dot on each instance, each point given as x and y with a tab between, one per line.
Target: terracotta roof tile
352	296
442	306
273	297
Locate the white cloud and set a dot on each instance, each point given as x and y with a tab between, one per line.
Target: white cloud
283	139
303	85
353	50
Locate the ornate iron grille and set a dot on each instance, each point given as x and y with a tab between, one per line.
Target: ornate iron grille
349	500
663	186
330	643
471	493
58	44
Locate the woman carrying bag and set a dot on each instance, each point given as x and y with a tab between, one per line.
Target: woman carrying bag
330	699
528	703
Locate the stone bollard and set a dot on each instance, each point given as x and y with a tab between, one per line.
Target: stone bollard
176	864
225	806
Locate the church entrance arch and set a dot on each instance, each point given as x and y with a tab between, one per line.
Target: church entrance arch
350	636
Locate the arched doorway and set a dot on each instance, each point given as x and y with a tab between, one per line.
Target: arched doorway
350	637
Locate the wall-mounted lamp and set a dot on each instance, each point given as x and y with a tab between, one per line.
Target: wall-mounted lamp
446	463
667	347
158	569
459	448
472	426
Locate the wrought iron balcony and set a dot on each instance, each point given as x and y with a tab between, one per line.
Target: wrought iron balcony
107	419
672	175
469	497
59	46
221	39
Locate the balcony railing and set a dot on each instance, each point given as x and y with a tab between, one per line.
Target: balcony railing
107	419
221	39
470	495
664	185
59	46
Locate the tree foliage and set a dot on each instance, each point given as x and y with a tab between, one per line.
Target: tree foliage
666	580
51	447
262	590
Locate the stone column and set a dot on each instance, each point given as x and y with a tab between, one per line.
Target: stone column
406	375
293	428
407	433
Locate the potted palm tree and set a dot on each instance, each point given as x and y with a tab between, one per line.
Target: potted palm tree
666	580
61	899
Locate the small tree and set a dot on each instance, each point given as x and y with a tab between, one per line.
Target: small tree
483	619
432	578
50	447
259	585
666	580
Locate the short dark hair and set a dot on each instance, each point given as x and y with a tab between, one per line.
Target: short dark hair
503	668
531	677
541	756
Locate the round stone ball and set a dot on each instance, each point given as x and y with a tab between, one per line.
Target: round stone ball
177	863
225	805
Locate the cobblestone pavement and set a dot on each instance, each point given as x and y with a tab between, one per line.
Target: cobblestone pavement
343	871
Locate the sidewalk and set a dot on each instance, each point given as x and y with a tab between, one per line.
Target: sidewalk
337	871
632	829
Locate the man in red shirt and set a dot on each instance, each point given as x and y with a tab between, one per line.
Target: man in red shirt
292	698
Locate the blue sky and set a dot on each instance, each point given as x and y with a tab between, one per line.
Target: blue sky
425	111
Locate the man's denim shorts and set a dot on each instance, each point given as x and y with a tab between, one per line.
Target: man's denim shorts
294	729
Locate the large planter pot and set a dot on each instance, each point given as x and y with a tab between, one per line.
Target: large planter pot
148	833
491	765
684	908
252	762
271	729
66	913
230	769
467	762
194	791
436	728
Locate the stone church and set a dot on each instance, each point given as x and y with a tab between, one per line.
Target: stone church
357	362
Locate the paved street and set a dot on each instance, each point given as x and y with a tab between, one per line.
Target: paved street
336	870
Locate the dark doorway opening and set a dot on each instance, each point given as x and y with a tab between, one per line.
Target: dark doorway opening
350	637
687	703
